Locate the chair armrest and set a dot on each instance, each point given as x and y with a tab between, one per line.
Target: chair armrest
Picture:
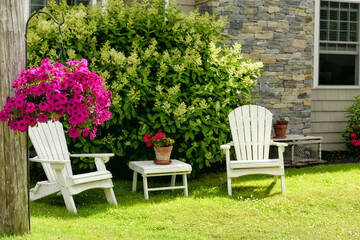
278	144
105	157
93	155
227	146
43	160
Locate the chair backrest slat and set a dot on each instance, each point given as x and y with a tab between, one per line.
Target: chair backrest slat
251	131
261	133
267	137
49	142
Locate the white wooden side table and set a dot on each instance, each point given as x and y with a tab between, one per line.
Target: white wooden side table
150	169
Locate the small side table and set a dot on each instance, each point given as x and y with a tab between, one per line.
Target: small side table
150	169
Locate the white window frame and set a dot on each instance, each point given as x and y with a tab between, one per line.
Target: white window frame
92	2
316	49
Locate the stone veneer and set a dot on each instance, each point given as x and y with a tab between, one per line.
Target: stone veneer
280	34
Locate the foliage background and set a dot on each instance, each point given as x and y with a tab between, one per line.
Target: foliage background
167	70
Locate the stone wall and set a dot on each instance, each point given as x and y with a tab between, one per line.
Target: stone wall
280	34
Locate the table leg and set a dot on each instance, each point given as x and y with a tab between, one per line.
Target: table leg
146	193
173	178
185	184
134	181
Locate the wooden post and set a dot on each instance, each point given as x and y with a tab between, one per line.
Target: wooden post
14	194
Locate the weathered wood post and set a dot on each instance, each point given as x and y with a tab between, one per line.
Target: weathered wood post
14	196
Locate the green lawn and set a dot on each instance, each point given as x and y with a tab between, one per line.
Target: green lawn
322	202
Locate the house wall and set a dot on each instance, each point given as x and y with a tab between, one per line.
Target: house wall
186	5
328	115
280	34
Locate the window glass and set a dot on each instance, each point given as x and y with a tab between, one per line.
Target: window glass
336	69
338	43
39	4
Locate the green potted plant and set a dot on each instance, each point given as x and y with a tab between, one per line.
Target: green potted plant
280	128
163	146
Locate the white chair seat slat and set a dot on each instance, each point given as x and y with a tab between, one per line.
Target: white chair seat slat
90	177
255	163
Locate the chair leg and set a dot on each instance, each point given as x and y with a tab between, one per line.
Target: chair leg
69	202
173	179
110	196
134	181
146	191
229	186
283	190
185	185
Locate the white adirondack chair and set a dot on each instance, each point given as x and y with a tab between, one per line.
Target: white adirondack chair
251	133
52	152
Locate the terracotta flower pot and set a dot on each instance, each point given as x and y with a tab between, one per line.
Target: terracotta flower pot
280	131
163	155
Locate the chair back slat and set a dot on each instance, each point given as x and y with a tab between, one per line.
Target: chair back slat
254	131
261	133
251	132
49	142
238	139
267	137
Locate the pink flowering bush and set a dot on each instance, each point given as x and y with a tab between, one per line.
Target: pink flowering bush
159	140
53	91
351	133
282	121
355	136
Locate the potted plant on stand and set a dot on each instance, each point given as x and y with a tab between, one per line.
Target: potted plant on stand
280	128
163	146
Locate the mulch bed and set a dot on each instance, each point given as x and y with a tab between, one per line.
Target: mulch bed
338	157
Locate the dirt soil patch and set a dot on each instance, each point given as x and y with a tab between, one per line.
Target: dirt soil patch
337	157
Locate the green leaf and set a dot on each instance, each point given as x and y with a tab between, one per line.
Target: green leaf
96	141
78	145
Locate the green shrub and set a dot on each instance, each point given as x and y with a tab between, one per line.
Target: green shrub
352	130
167	70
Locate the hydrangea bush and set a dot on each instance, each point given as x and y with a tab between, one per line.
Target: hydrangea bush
352	131
166	70
53	91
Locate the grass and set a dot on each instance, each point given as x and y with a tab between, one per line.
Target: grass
322	202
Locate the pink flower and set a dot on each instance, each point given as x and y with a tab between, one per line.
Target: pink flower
42	118
77	98
41	89
93	133
22	126
43	106
19	101
73	133
63	86
160	134
353	135
30	107
86	132
4	116
356	127
32	121
77	88
9	104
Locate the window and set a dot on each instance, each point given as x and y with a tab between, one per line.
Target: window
336	44
39	4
